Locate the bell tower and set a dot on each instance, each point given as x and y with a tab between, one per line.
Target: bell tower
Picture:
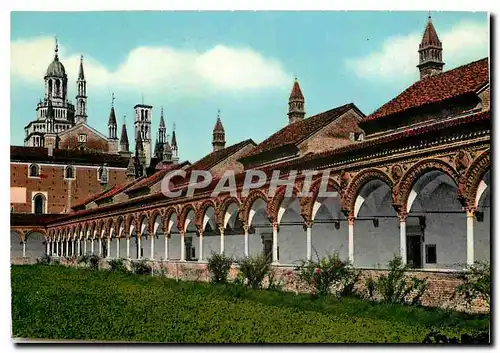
430	52
143	117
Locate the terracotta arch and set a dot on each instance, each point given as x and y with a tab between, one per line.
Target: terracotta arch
129	221
167	215
19	233
38	230
119	221
402	190
248	202
224	205
181	220
140	218
350	194
202	209
152	218
470	180
274	204
100	228
110	224
307	202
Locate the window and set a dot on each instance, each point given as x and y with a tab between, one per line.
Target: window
69	172
39	201
34	171
430	254
102	175
82	138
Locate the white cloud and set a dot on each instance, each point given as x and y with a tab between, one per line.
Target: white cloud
154	68
397	59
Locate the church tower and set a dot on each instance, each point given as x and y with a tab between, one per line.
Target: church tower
140	157
56	80
143	117
218	135
296	104
81	96
173	145
124	145
112	128
430	52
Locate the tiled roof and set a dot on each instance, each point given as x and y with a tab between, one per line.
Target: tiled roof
28	219
66	156
91	198
430	37
462	80
218	126
300	130
154	178
215	157
116	190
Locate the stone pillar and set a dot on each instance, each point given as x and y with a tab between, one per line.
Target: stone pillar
78	247
221	229
470	235
48	248
200	256
275	243
152	257
99	244
57	248
350	221
67	247
128	247
139	246
24	248
108	249
245	228
85	247
183	247
92	246
308	240
72	248
52	247
402	236
166	245
117	248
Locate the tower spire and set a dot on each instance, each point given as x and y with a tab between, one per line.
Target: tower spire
56	51
124	146
81	95
430	52
296	104
218	134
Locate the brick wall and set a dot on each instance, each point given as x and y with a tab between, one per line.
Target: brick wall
95	142
58	189
231	163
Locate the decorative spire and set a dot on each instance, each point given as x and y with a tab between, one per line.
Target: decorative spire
174	139
112	126
218	135
112	99
81	75
162	122
296	104
124	146
56	51
430	52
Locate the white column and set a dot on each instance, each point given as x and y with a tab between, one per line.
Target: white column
470	235
128	248
350	221
48	248
117	248
57	248
139	246
152	257
24	248
72	248
308	241
78	247
200	251
402	237
67	247
245	228
99	244
166	246
275	243
92	246
221	240
183	247
85	247
52	247
108	248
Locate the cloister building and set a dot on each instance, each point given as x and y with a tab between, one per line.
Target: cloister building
411	179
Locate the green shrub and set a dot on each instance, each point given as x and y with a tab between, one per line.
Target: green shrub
255	269
476	283
141	267
94	262
327	275
83	260
396	285
117	265
44	260
273	282
219	266
55	261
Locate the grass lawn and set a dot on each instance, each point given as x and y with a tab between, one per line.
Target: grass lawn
56	302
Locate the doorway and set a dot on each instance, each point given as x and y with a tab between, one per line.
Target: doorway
414	246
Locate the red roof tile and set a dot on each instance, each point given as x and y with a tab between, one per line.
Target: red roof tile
215	157
430	37
294	133
433	89
296	91
218	126
117	189
154	178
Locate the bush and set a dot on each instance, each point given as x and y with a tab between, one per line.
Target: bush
476	337
44	260
83	260
255	269
476	283
141	267
93	262
396	285
117	265
219	266
329	273
274	283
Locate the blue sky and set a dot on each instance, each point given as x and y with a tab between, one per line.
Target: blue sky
242	63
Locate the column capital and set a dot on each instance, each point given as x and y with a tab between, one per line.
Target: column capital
470	210
350	220
402	216
246	228
276	226
221	230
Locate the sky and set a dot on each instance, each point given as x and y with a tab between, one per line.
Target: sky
243	63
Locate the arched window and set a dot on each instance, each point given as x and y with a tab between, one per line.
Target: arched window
69	172
58	87
102	175
50	87
34	171
39	201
